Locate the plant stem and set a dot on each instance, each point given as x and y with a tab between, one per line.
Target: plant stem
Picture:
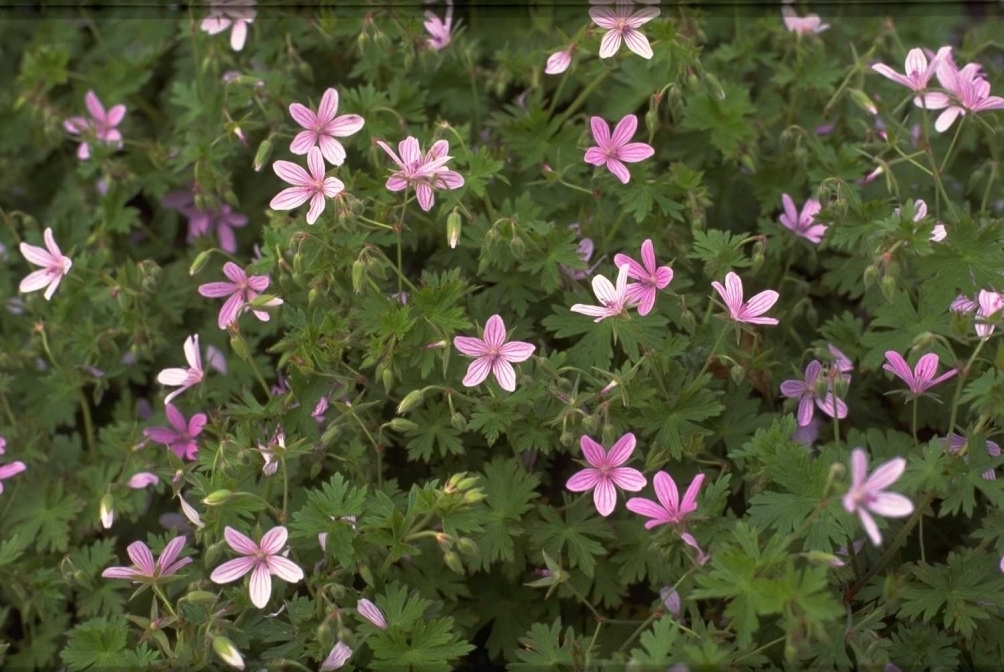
577	103
285	488
948	154
163	598
958	385
85	409
915	441
836	431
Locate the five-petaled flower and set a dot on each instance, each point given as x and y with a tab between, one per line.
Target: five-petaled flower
226	13
324	128
53	262
808	393
804	224
867	494
650	277
615	150
957	441
312	186
750	311
809	24
493	354
102	125
918	71
261	559
424	173
241	290
606	471
439	29
184	378
144	569
613	298
670	509
622	25
967	91
180	436
921	378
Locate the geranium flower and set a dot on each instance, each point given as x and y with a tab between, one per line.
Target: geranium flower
622	25
809	24
371	613
957	441
439	30
203	223
312	186
807	392
8	470
559	61
613	299
651	277
918	71
804	224
615	150
144	569
241	290
261	559
605	473
324	128
226	13
967	91
670	510
749	312
102	126
921	378
867	494
339	655
184	378
54	265
180	436
424	173
493	354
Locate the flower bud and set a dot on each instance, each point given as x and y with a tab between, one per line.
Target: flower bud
713	86
410	401
566	439
239	347
201	596
738	374
518	247
608	435
358	275
757	264
263	154
200	261
217	498
459	422
590	423
387	378
870	275
467	546
227	652
827	559
888	287
652	121
106	511
452	561
862	100
403	425
453	224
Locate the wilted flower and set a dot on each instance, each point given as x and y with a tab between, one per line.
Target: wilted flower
606	471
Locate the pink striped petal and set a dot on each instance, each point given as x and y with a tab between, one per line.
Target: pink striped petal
232	570
260	586
239	542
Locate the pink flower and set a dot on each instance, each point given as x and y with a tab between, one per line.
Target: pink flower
919	213
622	24
650	278
807	392
262	560
371	613
867	494
313	187
802	225
669	510
613	299
54	265
559	61
184	378
439	30
323	127
808	434
493	354
918	71
606	472
144	569
8	470
241	290
967	91
841	361
585	250
180	436
216	360
957	441
810	24
424	173
615	150
202	223
142	480
225	13
749	312
339	655
921	378
102	126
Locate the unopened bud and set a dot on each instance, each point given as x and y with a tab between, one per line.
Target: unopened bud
888	287
713	86
200	261
453	224
106	511
410	401
652	121
862	100
403	425
387	378
218	497
824	559
227	652
590	423
566	439
239	347
748	162
459	422
870	275
358	275
467	546
738	374
452	561
200	596
263	154
758	259
518	247
608	435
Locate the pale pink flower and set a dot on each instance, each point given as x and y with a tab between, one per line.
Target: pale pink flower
957	441
226	13
312	186
216	360
180	436
184	378
424	173
322	538
439	29
867	494
987	305
241	290
142	480
605	473
54	265
809	24
102	126
622	25
493	354
921	378
106	511
669	510
671	600
559	61
202	223
339	655
371	613
841	361
261	559
918	71
585	250
919	213
144	569
968	91
651	277
749	312
804	224
191	513
615	150
613	299
323	128
809	395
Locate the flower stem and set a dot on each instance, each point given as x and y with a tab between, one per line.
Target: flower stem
163	598
836	430
915	441
958	385
285	488
578	102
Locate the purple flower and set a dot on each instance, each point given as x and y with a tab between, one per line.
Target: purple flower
918	71
339	655
921	378
613	299
802	225
371	613
669	510
807	392
180	436
957	441
967	91
424	172
261	559
867	494
606	471
8	470
323	128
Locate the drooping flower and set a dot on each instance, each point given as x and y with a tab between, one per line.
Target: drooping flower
987	304
841	362
371	613
102	126
184	378
142	480
226	13
810	24
493	354
921	378
559	61
54	265
241	290
424	173
585	250
957	441
622	24
867	494
670	509
312	186
222	220
804	224
809	395
261	559
180	436
613	299
615	150
918	71
339	655
749	312
144	569
606	473
967	91
650	277
323	128
439	29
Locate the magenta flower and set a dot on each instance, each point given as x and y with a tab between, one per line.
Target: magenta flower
102	126
650	277
585	250
184	378
918	71
323	128
339	655
226	13
613	299
867	494
670	510
615	150
202	223
808	393
749	312
622	25
967	91
841	362
802	225
54	265
241	290
144	569
809	24
439	29
957	441
559	61
262	560
605	472
371	613
493	354
180	436
986	306
921	378
313	186
424	173
8	470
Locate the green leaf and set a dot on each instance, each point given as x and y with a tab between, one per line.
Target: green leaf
99	643
658	645
577	533
509	490
543	649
